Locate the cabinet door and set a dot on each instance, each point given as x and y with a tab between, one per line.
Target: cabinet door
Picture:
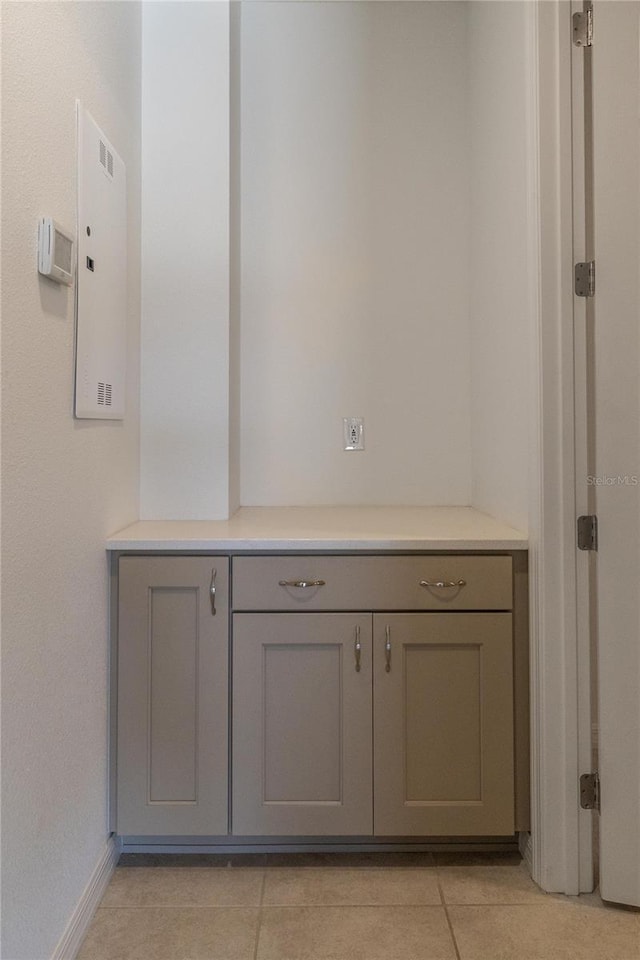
172	696
443	724
301	724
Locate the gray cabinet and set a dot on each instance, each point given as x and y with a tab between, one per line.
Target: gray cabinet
172	757
372	696
302	749
438	759
443	724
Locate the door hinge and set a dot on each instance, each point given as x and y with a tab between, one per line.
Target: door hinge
585	278
590	791
588	532
583	28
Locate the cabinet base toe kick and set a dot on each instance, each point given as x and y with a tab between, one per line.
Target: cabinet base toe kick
230	846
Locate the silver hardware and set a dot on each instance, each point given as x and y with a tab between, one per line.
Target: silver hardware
583	28
358	649
588	532
387	648
443	583
590	791
303	584
212	591
585	279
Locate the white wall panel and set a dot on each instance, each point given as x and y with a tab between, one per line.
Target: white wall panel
499	301
355	233
101	278
185	264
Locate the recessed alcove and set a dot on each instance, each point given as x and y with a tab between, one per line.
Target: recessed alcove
375	205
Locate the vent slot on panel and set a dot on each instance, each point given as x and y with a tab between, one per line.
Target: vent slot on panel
106	158
105	393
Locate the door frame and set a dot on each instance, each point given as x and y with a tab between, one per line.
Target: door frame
582	372
559	846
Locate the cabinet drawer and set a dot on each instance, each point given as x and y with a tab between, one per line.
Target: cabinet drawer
372	583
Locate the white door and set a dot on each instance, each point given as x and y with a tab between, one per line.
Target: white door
616	124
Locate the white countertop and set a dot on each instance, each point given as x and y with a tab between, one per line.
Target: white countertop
327	528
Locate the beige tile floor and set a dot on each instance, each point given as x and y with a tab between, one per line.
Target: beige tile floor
349	907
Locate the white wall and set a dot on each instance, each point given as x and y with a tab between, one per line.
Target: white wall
355	231
185	404
66	484
500	302
235	254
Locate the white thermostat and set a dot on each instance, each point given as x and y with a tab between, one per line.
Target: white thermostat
55	251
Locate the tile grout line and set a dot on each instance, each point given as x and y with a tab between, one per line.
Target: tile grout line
259	924
446	913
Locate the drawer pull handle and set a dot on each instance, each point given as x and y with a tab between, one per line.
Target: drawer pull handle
387	648
212	591
358	649
443	583
303	584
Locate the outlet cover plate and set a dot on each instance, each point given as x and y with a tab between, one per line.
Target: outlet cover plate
353	433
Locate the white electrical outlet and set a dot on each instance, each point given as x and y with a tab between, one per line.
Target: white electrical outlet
353	433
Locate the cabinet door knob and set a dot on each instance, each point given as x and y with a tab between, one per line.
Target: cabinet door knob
358	649
387	648
302	583
212	591
443	583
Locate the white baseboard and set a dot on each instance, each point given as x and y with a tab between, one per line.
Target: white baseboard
82	916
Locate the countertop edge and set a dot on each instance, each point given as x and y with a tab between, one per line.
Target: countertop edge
268	544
